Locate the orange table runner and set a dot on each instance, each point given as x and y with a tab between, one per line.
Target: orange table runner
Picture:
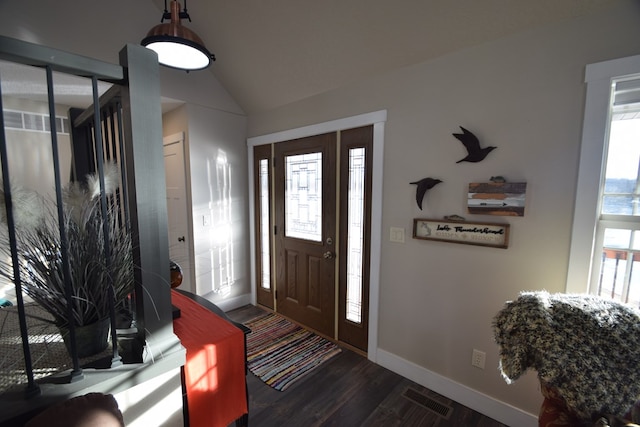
215	367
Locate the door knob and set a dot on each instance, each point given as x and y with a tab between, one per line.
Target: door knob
328	255
181	239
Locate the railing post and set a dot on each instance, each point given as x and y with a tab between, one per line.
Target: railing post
142	117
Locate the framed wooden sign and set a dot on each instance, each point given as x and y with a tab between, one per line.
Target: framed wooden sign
468	233
497	198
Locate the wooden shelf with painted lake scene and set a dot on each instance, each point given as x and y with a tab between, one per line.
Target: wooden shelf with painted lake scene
496	198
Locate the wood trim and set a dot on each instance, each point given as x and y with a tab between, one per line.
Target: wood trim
377	119
356	335
39	56
142	119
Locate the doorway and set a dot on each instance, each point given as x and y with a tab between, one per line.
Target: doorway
305	230
261	226
177	207
313	226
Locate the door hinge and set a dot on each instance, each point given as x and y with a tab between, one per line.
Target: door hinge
275	230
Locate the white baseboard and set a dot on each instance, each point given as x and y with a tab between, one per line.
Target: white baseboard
231	303
462	394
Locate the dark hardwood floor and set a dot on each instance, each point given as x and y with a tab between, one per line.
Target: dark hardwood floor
351	391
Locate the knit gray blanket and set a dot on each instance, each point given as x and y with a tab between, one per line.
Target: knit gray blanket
586	347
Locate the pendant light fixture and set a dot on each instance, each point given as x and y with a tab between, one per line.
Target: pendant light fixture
177	46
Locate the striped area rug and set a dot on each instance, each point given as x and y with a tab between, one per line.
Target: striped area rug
280	352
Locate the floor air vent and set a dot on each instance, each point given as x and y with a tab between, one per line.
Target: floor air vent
428	403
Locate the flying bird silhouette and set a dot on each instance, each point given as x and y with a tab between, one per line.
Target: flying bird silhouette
423	185
471	143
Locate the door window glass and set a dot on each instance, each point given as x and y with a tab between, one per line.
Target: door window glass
303	196
355	233
265	253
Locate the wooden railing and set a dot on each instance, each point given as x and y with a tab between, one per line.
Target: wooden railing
122	126
618	277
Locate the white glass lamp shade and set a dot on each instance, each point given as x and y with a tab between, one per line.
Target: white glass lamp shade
179	53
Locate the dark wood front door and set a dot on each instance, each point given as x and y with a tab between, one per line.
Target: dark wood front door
305	233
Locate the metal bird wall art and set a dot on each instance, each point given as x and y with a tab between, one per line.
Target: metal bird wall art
471	143
424	185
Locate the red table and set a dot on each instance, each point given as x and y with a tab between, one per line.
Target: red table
214	372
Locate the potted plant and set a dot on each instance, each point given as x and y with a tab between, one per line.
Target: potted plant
41	261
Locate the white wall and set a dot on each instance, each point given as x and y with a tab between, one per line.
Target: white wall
30	156
523	94
219	213
30	152
217	155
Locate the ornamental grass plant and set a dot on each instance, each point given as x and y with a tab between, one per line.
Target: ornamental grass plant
40	251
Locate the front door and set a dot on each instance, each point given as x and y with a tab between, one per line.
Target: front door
305	230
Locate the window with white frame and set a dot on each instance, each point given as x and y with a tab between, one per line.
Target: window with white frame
605	253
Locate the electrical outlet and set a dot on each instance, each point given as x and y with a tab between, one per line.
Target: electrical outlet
478	358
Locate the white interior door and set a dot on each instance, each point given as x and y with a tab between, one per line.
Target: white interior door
177	208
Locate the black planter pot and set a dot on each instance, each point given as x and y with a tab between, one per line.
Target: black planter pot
90	339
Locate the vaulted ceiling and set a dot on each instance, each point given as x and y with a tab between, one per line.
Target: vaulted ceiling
271	53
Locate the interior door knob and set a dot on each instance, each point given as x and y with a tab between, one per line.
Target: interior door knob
328	255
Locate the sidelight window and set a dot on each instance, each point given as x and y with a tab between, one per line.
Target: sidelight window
263	197
355	233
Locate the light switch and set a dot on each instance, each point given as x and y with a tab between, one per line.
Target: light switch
396	234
